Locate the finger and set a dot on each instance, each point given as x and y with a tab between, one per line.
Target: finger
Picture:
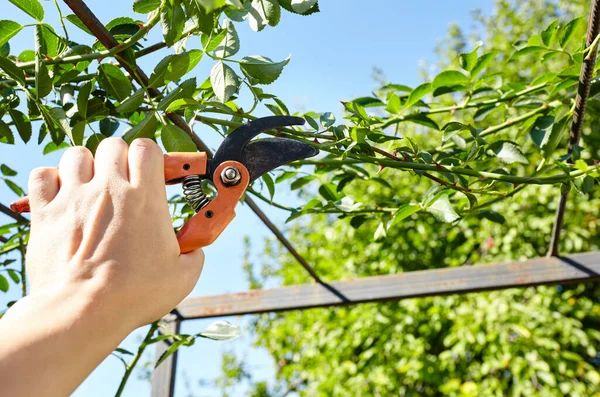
76	166
111	159
44	185
146	164
192	264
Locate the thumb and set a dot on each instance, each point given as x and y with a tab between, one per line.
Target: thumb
191	268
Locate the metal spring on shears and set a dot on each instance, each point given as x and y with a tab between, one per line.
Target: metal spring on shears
193	192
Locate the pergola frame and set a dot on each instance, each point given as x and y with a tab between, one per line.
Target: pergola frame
552	269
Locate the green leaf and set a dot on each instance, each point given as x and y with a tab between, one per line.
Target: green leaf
172	19
468	60
312	122
224	81
132	103
109	126
422	120
74	19
298	183
418	93
14	276
53	147
12	70
184	90
268	180
549	34
83	98
114	81
393	105
547	378
261	69
541	127
327	119
329	192
123	351
57	117
8	29
79	132
144	129
527	51
302	6
173	67
7	171
23	125
449	78
205	21
552	139
230	44
50	43
221	330
442	209
6	135
93	141
263	12
14	187
482	62
3	284
299	4
381	138
172	349
404	212
174	139
145	6
453	128
567	31
508	152
31	7
43	82
210	5
492	216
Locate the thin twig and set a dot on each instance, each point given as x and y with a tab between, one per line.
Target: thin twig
530	180
129	369
583	92
62	21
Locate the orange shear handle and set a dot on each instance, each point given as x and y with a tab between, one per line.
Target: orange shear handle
206	225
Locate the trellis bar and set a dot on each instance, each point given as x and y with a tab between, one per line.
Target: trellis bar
455	280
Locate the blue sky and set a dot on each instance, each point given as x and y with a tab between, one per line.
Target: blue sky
333	54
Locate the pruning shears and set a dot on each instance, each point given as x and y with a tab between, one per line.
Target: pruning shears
237	163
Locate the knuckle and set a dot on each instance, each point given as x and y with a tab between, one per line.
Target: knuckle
113	143
78	151
42	174
147	145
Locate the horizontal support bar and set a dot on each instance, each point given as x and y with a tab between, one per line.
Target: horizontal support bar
454	280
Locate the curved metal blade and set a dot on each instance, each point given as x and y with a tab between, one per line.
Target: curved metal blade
264	155
233	145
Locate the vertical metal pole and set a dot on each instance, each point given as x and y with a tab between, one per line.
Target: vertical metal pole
583	92
163	377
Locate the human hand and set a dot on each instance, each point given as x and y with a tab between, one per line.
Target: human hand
101	232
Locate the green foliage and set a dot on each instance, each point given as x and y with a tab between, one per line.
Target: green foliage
434	176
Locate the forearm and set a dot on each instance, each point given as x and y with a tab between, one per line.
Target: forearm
50	343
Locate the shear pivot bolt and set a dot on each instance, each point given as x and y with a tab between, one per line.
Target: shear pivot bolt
231	176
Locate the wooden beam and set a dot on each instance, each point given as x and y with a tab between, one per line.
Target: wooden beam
163	377
455	280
